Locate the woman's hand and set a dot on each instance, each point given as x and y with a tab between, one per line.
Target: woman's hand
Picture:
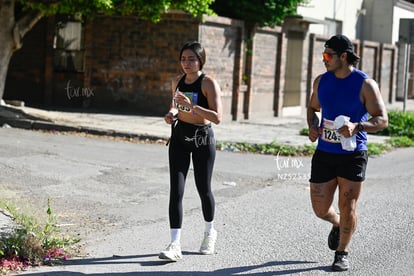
182	100
169	118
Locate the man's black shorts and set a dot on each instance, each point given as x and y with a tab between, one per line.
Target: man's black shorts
327	166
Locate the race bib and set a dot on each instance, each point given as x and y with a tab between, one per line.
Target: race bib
193	96
329	133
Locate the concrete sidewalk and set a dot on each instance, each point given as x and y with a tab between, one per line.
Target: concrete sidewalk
285	131
280	130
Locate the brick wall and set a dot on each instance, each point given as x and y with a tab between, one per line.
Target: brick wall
265	81
129	65
130	68
222	39
131	62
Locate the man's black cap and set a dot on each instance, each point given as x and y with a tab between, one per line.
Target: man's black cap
340	43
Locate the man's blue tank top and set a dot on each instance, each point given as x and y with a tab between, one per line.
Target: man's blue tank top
341	97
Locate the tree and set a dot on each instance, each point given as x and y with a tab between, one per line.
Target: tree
17	17
255	13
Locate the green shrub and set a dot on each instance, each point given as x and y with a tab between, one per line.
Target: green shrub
399	124
377	149
400	142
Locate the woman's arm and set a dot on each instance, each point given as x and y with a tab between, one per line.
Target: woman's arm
172	112
212	91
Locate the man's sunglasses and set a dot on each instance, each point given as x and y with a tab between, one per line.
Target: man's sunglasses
328	56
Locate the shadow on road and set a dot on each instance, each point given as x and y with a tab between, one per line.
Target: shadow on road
134	259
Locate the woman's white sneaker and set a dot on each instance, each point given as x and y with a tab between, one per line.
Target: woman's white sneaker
209	242
172	253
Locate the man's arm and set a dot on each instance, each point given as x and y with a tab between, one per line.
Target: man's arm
311	116
371	97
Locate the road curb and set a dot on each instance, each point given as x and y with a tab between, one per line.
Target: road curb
51	126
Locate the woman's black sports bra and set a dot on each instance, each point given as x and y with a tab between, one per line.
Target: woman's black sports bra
193	92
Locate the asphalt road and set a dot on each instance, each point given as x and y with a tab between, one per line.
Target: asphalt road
114	196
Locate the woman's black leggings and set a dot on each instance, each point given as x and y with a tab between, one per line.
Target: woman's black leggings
196	142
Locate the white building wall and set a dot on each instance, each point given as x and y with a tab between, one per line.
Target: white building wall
345	11
377	23
375	20
407	12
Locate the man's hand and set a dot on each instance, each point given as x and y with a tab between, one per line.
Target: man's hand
348	129
314	133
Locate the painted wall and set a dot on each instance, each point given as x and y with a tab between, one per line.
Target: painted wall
401	10
375	20
342	10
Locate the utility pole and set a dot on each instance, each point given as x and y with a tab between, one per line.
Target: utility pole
405	40
408	57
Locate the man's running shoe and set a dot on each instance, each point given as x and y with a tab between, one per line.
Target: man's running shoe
333	238
171	253
208	245
341	262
